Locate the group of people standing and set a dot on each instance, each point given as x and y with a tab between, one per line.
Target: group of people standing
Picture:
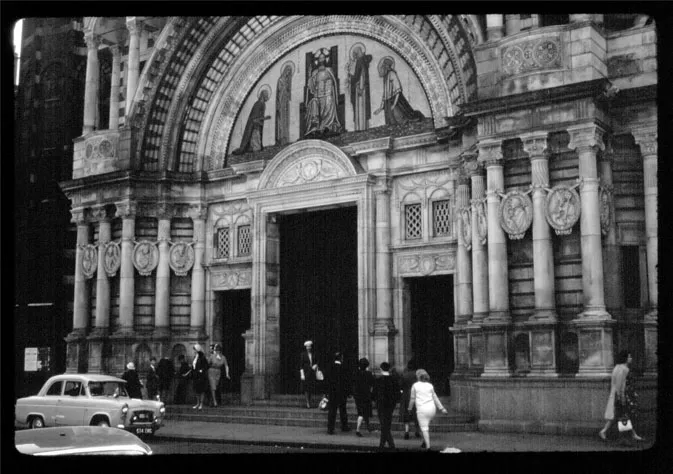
158	380
413	391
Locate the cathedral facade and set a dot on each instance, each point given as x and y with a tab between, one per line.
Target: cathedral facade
476	192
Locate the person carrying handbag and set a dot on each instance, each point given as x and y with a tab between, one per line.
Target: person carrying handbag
308	372
621	402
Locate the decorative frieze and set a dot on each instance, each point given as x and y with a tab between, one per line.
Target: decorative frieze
516	214
101	147
425	264
528	55
562	208
229	280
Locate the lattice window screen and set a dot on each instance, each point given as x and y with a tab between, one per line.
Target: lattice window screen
222	243
441	217
244	240
412	214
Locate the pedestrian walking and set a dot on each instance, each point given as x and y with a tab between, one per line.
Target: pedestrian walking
363	385
166	373
199	376
308	372
386	394
152	380
133	384
408	416
424	398
184	373
337	394
217	362
622	401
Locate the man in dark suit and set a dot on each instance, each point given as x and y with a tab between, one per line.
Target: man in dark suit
386	393
337	394
166	372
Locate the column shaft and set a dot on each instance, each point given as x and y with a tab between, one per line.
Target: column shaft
102	283
114	88
82	294
612	258
91	84
650	177
127	275
479	254
494	27
383	323
198	314
163	287
498	285
133	62
463	260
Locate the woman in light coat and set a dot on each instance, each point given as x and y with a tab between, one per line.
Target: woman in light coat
425	399
618	401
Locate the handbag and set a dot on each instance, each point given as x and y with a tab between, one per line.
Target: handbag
624	425
323	403
319	375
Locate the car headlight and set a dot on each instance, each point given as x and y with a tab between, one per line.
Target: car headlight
162	408
125	409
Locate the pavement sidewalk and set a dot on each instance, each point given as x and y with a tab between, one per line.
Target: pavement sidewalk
318	438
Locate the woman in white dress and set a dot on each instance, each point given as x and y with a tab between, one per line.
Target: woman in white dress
424	397
618	394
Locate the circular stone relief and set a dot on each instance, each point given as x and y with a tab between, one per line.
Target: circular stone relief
145	257
181	258
516	214
89	260
105	148
562	209
111	258
546	52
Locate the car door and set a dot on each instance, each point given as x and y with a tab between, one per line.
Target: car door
72	405
50	403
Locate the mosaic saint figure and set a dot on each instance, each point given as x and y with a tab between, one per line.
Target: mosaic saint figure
397	110
252	135
322	99
358	80
283	96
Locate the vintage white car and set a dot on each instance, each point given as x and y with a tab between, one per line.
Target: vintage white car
89	399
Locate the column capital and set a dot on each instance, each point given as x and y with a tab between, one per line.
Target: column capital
92	41
133	24
471	164
80	216
646	139
126	210
586	136
535	144
197	212
166	211
116	51
490	151
383	184
101	213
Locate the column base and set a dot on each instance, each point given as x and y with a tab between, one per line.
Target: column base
98	349
197	334
544	315
497	359
477	318
542	347
594	340
497	317
599	314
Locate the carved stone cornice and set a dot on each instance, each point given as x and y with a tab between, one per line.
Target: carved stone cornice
646	139
126	210
586	136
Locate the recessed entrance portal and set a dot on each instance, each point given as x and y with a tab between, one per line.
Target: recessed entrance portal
318	288
233	317
431	316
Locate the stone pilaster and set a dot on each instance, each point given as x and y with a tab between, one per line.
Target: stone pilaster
127	211
163	278
114	87
384	328
76	346
198	315
463	261
102	281
594	325
647	139
91	84
479	253
134	27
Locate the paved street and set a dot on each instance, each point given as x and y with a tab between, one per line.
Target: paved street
163	446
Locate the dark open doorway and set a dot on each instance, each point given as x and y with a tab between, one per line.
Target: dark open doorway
318	289
235	319
431	316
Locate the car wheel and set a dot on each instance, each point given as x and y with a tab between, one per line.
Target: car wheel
103	423
37	422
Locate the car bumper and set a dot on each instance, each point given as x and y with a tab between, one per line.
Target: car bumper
142	429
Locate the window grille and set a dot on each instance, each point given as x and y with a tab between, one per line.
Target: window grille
244	240
412	214
222	243
441	218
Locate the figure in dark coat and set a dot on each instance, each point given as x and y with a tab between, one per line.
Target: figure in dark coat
337	394
184	372
166	372
363	385
199	375
386	393
397	111
133	384
308	370
252	135
152	380
407	416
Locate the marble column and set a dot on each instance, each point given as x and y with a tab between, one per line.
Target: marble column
102	281
594	324
479	253
133	66
463	260
114	88
496	325
127	212
494	27
91	84
612	256
163	282
76	347
647	139
384	328
198	313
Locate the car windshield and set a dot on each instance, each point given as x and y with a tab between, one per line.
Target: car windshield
107	389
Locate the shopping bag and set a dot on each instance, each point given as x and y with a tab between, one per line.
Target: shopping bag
624	425
323	403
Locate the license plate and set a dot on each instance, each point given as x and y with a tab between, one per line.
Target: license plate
144	430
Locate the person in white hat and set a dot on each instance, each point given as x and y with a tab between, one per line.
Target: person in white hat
309	367
199	375
133	383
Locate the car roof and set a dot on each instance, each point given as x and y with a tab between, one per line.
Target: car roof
86	438
87	378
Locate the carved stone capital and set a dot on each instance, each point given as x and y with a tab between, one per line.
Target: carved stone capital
646	138
586	136
115	49
101	214
126	210
535	144
197	212
382	185
490	152
80	216
92	41
133	25
165	211
471	164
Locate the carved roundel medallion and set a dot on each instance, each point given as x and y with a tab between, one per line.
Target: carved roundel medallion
516	214
466	218
427	265
112	258
604	198
145	257
562	209
89	260
482	223
181	258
